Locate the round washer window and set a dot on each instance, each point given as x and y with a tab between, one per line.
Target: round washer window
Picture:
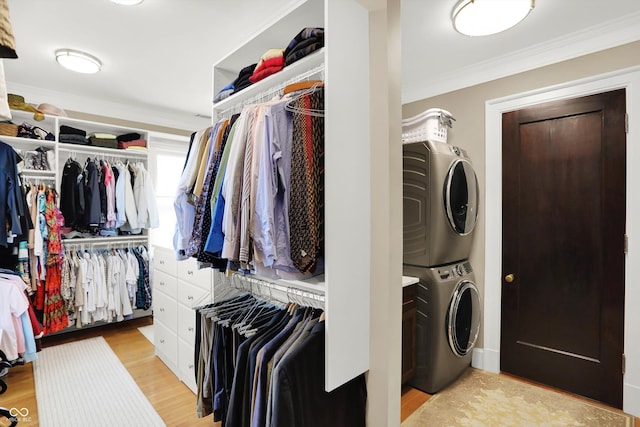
461	197
463	318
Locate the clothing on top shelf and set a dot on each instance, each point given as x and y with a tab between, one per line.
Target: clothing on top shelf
251	190
304	43
270	63
307	41
261	364
108	199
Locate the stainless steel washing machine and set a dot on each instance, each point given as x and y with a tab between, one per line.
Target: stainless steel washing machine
440	202
448	323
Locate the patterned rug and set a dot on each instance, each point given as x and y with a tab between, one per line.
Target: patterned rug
83	383
482	399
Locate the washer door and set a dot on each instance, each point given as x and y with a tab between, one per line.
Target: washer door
461	197
463	318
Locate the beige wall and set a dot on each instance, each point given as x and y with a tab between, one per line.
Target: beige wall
468	107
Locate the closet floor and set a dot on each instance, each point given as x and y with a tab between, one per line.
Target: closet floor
169	396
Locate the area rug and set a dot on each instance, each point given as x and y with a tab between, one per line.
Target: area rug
83	383
482	399
147	331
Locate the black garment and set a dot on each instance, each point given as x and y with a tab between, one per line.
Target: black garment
68	130
306	41
299	396
91	195
71	197
12	206
236	413
242	81
128	137
102	188
73	139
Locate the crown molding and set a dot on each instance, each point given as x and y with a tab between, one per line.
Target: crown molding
593	39
142	114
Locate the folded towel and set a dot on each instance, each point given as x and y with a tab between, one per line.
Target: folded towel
128	137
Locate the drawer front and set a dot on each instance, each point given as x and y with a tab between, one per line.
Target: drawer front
165	260
192	296
188	271
186	367
165	310
166	343
165	283
187	324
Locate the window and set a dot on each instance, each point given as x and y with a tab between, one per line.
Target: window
166	160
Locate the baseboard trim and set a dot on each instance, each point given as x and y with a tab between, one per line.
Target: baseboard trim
486	359
631	404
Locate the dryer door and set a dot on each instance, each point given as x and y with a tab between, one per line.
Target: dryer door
461	197
463	318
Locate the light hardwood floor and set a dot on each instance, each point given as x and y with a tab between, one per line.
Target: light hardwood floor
173	401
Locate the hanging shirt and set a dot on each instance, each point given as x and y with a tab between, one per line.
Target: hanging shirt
13	304
232	185
183	203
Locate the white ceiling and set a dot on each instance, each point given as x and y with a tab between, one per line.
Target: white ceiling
157	57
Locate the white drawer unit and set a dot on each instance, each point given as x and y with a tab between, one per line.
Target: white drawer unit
187	324
165	310
186	365
178	286
165	260
165	283
188	270
166	343
192	296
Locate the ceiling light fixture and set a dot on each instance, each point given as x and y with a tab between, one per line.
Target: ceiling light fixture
77	61
127	2
486	17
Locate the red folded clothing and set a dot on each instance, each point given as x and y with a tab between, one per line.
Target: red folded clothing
135	143
272	60
265	72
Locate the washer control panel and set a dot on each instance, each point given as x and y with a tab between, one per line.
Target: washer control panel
455	270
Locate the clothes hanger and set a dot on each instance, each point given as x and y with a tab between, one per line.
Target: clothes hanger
303	85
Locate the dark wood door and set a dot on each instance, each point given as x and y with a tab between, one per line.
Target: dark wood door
563	244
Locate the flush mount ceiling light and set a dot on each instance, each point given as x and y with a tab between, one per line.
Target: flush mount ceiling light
486	17
77	61
127	2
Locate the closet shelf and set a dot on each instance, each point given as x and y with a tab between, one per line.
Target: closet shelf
27	142
38	173
137	314
105	152
116	240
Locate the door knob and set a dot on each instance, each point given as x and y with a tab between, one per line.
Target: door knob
509	278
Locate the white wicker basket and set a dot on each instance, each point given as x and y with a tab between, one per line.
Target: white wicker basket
431	125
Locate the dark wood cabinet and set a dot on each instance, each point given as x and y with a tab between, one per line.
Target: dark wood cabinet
409	318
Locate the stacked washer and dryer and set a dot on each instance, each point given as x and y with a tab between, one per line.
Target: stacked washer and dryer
440	198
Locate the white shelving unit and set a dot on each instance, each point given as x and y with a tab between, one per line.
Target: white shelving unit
64	151
343	64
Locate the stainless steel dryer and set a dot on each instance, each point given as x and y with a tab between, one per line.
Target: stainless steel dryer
440	201
448	323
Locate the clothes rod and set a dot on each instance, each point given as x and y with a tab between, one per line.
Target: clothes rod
272	92
284	287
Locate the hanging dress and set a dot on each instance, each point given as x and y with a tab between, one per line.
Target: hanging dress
55	315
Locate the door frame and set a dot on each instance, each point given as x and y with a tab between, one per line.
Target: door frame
488	357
